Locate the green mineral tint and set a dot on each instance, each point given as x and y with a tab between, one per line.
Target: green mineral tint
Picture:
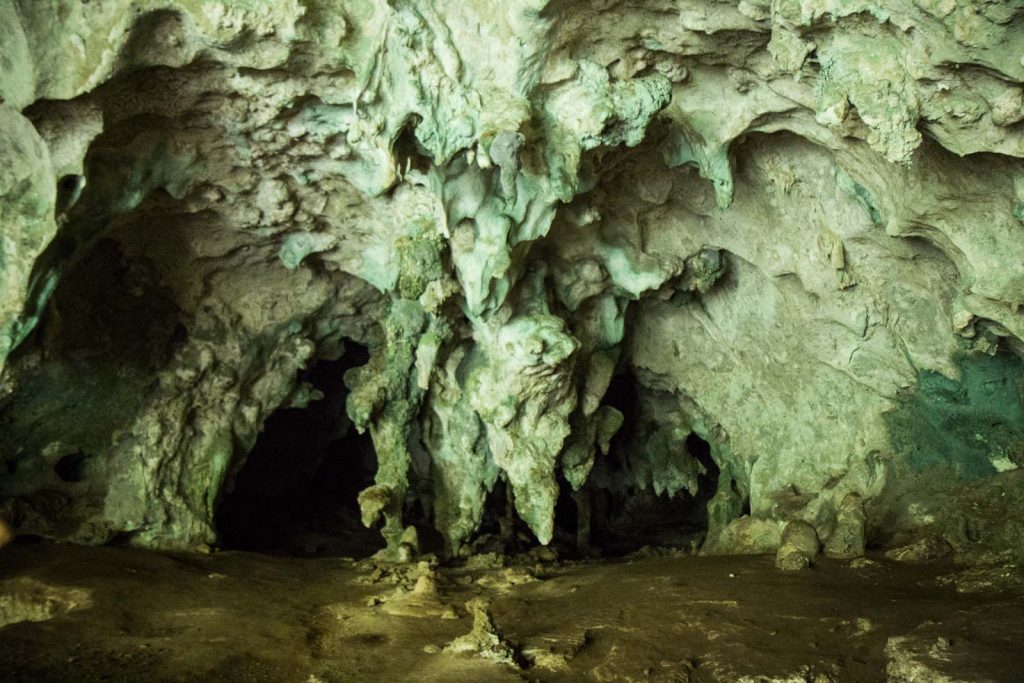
973	427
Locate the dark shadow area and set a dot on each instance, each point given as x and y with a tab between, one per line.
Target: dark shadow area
567	516
624	512
501	531
410	154
707	481
82	375
297	491
71	467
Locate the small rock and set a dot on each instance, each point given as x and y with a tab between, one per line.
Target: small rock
847	540
544	554
798	547
485	561
863	563
26	599
792	562
745	536
864	625
922	550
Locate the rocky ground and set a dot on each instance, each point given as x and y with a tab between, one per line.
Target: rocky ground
117	614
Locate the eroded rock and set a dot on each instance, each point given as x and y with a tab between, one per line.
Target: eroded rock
484	640
796	230
28	599
847	539
922	550
798	546
747	536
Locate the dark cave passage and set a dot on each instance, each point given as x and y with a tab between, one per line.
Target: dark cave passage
297	492
707	482
619	514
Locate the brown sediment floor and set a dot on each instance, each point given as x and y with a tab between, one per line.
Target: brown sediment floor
117	614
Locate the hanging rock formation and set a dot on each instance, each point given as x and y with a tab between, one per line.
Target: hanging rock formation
799	226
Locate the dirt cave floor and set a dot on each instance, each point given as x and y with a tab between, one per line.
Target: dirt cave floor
118	614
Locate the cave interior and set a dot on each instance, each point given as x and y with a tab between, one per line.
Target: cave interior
674	340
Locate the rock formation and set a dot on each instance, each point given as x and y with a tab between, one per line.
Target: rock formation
795	229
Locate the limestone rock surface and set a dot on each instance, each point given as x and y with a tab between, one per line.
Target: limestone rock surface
798	546
795	229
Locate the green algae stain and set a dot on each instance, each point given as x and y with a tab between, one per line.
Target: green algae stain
220	452
1018	211
964	426
860	193
76	405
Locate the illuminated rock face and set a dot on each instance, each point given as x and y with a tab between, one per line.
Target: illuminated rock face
797	227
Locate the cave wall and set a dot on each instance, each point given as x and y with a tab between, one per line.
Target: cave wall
797	225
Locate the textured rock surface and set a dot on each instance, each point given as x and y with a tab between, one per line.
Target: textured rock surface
25	599
163	616
847	537
798	546
796	225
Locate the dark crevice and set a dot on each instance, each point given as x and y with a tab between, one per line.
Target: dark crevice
297	491
501	530
707	482
68	190
567	515
621	514
409	153
71	467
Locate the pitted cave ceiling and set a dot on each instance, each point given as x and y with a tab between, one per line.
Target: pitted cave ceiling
738	263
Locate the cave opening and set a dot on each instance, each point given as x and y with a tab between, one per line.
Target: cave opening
707	480
618	511
501	530
296	493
